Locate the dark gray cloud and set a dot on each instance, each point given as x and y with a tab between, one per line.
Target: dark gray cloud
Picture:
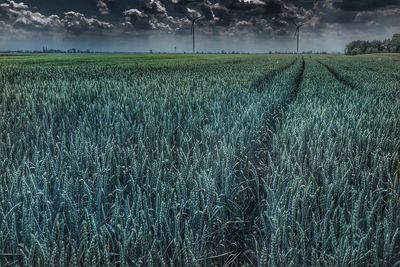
154	7
103	6
168	15
364	5
241	18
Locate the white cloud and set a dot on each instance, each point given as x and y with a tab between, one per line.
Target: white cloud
78	22
18	15
102	5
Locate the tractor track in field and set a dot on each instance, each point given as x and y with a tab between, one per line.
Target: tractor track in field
337	75
251	207
276	119
297	83
261	82
273	124
279	112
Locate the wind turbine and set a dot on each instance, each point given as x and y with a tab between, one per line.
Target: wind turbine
297	33
193	20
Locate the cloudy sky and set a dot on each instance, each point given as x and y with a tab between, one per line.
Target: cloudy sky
161	25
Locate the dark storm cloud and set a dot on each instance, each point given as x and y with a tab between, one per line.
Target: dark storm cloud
364	5
242	4
379	18
259	16
154	7
103	6
326	12
219	17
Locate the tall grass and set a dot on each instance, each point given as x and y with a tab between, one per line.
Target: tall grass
143	166
332	188
230	161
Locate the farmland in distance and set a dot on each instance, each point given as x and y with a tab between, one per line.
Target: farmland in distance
181	160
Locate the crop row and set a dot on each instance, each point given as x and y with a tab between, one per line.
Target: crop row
331	194
144	166
261	160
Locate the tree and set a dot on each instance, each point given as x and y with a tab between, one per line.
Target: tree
376	46
357	47
395	44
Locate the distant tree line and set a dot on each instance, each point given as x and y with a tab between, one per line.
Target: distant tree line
376	46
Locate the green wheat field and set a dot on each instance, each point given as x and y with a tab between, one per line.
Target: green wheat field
199	160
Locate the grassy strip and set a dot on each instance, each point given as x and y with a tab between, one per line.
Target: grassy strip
242	209
263	82
332	183
336	74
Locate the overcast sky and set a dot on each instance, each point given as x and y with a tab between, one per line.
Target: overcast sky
241	25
